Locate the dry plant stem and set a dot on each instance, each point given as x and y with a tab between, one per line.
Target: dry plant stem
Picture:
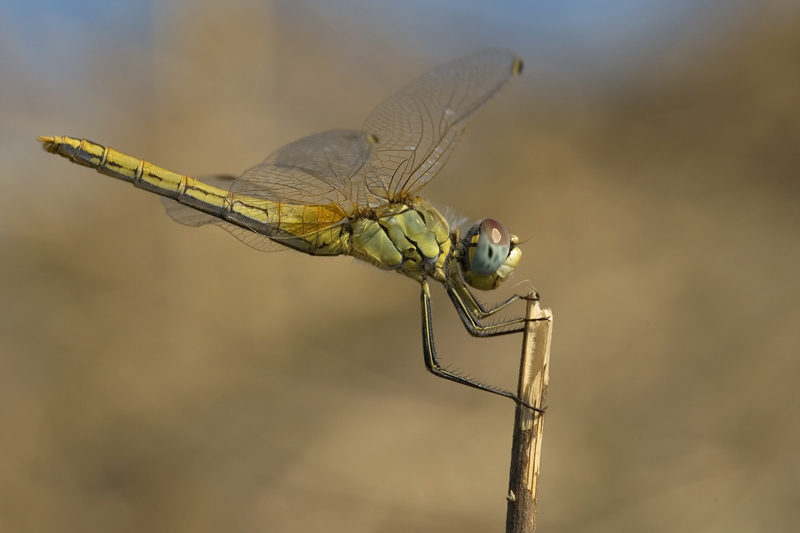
527	446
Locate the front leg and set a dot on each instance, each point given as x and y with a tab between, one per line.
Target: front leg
470	311
432	361
476	309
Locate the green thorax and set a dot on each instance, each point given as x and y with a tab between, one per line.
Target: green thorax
411	237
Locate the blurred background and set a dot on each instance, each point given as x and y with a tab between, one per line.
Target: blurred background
155	377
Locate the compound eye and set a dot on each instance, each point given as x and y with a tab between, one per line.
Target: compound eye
492	248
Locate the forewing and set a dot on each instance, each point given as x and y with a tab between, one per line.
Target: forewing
404	143
324	168
414	130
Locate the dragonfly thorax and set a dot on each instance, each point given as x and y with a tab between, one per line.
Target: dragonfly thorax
410	237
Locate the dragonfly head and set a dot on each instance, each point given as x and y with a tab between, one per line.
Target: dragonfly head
490	254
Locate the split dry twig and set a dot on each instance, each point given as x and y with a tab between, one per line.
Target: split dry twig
527	445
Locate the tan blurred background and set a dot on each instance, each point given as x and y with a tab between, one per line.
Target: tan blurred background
156	378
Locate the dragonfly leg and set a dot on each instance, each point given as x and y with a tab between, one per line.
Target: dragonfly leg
478	310
432	361
470	311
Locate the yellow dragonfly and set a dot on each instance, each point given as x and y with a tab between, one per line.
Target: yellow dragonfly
350	192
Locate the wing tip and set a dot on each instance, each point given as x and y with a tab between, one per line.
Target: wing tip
516	68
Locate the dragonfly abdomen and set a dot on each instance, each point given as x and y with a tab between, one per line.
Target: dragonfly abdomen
312	229
140	173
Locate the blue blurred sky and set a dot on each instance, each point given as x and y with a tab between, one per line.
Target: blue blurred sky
577	36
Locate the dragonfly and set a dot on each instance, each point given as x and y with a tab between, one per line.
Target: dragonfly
354	193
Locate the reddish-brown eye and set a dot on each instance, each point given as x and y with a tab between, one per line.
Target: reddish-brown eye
495	232
492	249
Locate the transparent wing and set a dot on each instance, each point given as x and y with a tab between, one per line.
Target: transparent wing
324	168
404	142
414	130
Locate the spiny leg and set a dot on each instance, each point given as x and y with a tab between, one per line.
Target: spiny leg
477	310
432	361
470	311
475	328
